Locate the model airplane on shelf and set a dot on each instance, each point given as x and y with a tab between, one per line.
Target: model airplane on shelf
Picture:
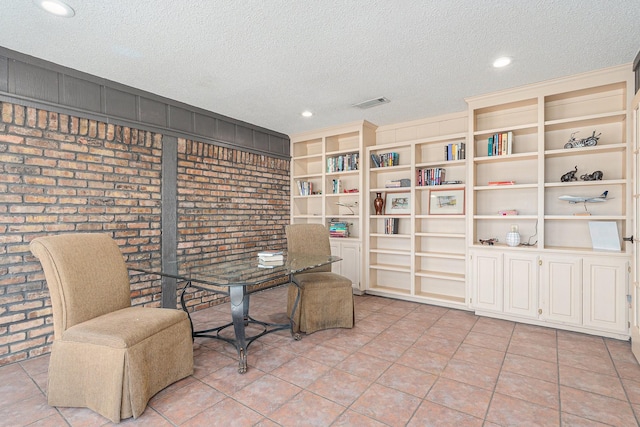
582	199
348	206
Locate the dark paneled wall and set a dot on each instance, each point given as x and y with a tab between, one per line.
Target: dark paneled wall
37	83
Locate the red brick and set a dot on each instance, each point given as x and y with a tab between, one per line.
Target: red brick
25	345
7	112
17	317
29	324
9	339
57	228
42	119
43	331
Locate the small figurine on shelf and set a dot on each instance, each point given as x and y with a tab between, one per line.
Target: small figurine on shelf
589	141
570	176
594	176
378	203
489	242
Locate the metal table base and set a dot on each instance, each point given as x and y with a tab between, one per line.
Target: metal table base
239	300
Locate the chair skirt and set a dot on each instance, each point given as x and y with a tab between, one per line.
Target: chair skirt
115	363
326	301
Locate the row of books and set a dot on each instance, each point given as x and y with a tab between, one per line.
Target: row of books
455	151
346	162
305	188
430	176
500	144
386	159
338	229
391	225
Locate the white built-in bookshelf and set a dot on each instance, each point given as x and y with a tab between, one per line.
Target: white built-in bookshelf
425	260
555	276
327	182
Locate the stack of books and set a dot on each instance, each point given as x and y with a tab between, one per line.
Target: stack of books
270	259
338	229
397	183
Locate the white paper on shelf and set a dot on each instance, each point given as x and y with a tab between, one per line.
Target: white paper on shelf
604	235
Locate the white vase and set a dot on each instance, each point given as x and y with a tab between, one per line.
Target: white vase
513	237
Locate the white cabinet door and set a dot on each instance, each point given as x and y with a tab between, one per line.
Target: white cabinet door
487	280
605	290
521	284
349	267
561	289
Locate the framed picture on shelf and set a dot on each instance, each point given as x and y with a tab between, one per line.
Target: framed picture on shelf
397	203
446	202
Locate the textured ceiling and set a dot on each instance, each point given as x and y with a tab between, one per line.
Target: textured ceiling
263	62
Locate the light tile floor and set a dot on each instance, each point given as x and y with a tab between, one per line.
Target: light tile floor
404	364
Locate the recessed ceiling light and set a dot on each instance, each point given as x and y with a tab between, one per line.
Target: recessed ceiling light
502	62
307	114
56	7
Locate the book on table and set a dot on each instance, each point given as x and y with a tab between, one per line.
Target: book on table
271	254
271	258
268	262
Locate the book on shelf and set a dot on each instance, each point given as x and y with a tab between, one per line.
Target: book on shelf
391	225
386	159
397	183
500	144
305	188
430	176
336	186
343	163
455	151
501	182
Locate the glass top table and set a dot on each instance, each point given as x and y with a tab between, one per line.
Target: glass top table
233	277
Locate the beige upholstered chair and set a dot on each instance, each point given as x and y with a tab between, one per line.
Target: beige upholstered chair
326	299
106	355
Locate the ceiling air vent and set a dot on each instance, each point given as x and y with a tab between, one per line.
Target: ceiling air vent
372	103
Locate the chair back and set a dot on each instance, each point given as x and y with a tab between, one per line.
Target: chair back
312	239
86	276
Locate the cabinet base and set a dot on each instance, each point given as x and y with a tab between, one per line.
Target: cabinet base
624	336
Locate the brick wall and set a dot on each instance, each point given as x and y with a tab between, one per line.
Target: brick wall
230	202
60	173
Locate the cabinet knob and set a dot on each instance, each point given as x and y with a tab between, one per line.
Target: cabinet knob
629	239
